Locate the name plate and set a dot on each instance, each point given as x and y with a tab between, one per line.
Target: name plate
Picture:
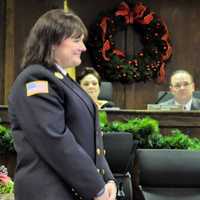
165	107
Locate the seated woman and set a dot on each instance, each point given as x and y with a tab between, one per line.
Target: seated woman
90	81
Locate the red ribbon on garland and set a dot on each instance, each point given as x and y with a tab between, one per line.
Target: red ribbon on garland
147	19
125	11
162	73
168	51
103	26
139	10
118	52
139	14
136	14
106	47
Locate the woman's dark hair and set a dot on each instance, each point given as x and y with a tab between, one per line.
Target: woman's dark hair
50	29
86	71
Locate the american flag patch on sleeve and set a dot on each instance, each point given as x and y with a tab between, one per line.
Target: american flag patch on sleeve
36	87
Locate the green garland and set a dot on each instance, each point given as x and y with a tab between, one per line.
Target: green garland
146	131
112	63
6	140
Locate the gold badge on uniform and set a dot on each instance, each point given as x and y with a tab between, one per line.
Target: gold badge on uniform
59	75
98	151
36	87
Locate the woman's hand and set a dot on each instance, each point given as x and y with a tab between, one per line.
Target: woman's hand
104	196
112	189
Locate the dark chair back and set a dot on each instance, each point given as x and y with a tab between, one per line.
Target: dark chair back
169	174
120	152
119	148
106	91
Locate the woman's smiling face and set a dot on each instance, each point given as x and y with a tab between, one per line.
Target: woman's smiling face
68	52
90	84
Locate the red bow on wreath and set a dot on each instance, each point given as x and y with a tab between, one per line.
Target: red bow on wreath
134	14
106	47
139	14
124	10
103	26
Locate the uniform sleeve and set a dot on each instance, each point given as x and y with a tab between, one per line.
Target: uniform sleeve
42	118
105	171
108	174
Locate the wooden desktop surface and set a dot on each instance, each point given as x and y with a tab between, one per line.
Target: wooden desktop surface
187	121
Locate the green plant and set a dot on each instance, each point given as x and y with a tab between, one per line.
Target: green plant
147	132
8	188
143	130
177	140
6	140
103	119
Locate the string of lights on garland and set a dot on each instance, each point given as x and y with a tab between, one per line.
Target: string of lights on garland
112	63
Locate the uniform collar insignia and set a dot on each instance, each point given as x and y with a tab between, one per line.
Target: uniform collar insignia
59	75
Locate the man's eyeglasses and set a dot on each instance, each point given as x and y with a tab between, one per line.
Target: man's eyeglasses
179	85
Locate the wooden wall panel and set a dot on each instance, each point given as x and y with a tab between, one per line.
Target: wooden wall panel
28	12
182	19
9	69
18	19
2	47
118	96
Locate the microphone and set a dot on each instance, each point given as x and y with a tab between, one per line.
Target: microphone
161	97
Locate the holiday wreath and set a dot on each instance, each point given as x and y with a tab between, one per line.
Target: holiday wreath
112	63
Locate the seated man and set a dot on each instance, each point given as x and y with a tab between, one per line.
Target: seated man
182	88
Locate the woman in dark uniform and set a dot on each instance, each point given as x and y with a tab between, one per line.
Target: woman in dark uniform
59	156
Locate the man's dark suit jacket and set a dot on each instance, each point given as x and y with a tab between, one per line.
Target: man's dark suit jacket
194	106
57	138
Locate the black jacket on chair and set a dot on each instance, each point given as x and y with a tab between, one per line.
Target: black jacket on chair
57	139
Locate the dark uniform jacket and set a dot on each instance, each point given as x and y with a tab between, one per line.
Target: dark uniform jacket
57	138
194	106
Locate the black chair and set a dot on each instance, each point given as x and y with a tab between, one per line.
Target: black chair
164	96
169	174
120	153
106	91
